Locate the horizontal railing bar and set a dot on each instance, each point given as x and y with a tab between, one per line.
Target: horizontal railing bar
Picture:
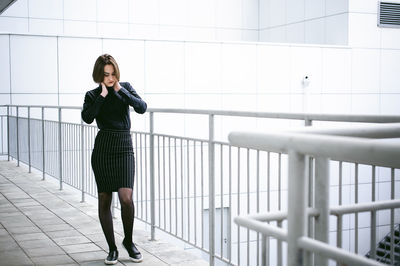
295	116
261	227
335	210
364	151
391	130
179	137
335	253
277	216
365	207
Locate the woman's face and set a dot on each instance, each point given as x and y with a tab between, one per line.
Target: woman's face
109	76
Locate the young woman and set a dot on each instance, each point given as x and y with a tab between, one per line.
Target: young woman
113	160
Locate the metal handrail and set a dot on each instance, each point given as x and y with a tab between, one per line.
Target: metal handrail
321	146
278	115
210	141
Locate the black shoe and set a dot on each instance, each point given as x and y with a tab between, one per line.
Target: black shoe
134	253
112	257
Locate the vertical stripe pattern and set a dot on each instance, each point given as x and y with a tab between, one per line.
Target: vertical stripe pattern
113	160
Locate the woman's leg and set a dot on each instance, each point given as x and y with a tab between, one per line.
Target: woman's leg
127	212
105	199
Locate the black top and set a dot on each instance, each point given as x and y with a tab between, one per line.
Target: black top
112	111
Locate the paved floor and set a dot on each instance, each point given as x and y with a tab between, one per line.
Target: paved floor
41	225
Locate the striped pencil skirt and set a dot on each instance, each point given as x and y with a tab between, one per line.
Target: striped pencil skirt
113	160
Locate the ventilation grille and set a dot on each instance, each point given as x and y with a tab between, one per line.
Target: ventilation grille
389	14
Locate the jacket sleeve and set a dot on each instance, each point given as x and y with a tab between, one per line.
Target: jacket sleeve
130	96
91	107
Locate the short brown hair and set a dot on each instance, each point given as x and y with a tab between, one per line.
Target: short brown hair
98	69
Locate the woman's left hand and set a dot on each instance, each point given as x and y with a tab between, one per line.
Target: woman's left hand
117	86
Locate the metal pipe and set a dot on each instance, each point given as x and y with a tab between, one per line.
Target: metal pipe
261	227
152	181
335	147
322	204
211	180
392	195
335	253
230	207
356	214
60	148
8	133
248	202
282	115
365	207
373	217
29	140
17	136
297	202
82	162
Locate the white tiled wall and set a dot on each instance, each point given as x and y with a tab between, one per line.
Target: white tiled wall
234	76
234	20
304	21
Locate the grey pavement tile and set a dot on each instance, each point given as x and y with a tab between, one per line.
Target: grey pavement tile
25	203
155	247
103	244
17	223
14	257
55	227
96	237
58	234
52	260
9	214
175	257
192	263
44	243
48	251
96	263
148	260
3	232
7	243
90	229
71	240
48	221
42	213
32	208
89	256
32	236
81	248
24	230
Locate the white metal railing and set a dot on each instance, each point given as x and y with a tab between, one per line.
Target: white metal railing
364	146
185	186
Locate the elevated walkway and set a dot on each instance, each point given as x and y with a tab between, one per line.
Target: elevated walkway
41	225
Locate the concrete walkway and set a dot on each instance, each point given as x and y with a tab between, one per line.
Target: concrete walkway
41	225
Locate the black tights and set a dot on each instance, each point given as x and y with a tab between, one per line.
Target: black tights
127	214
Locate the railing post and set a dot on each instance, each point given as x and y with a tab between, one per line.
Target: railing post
82	162
152	183
322	205
297	217
43	147
60	147
211	199
8	133
113	203
29	139
17	137
308	260
264	256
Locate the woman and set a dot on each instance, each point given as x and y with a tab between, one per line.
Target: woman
112	158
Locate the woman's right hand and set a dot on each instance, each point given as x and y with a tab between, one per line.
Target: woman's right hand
104	90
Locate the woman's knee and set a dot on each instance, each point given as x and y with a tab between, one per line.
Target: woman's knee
105	199
125	198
